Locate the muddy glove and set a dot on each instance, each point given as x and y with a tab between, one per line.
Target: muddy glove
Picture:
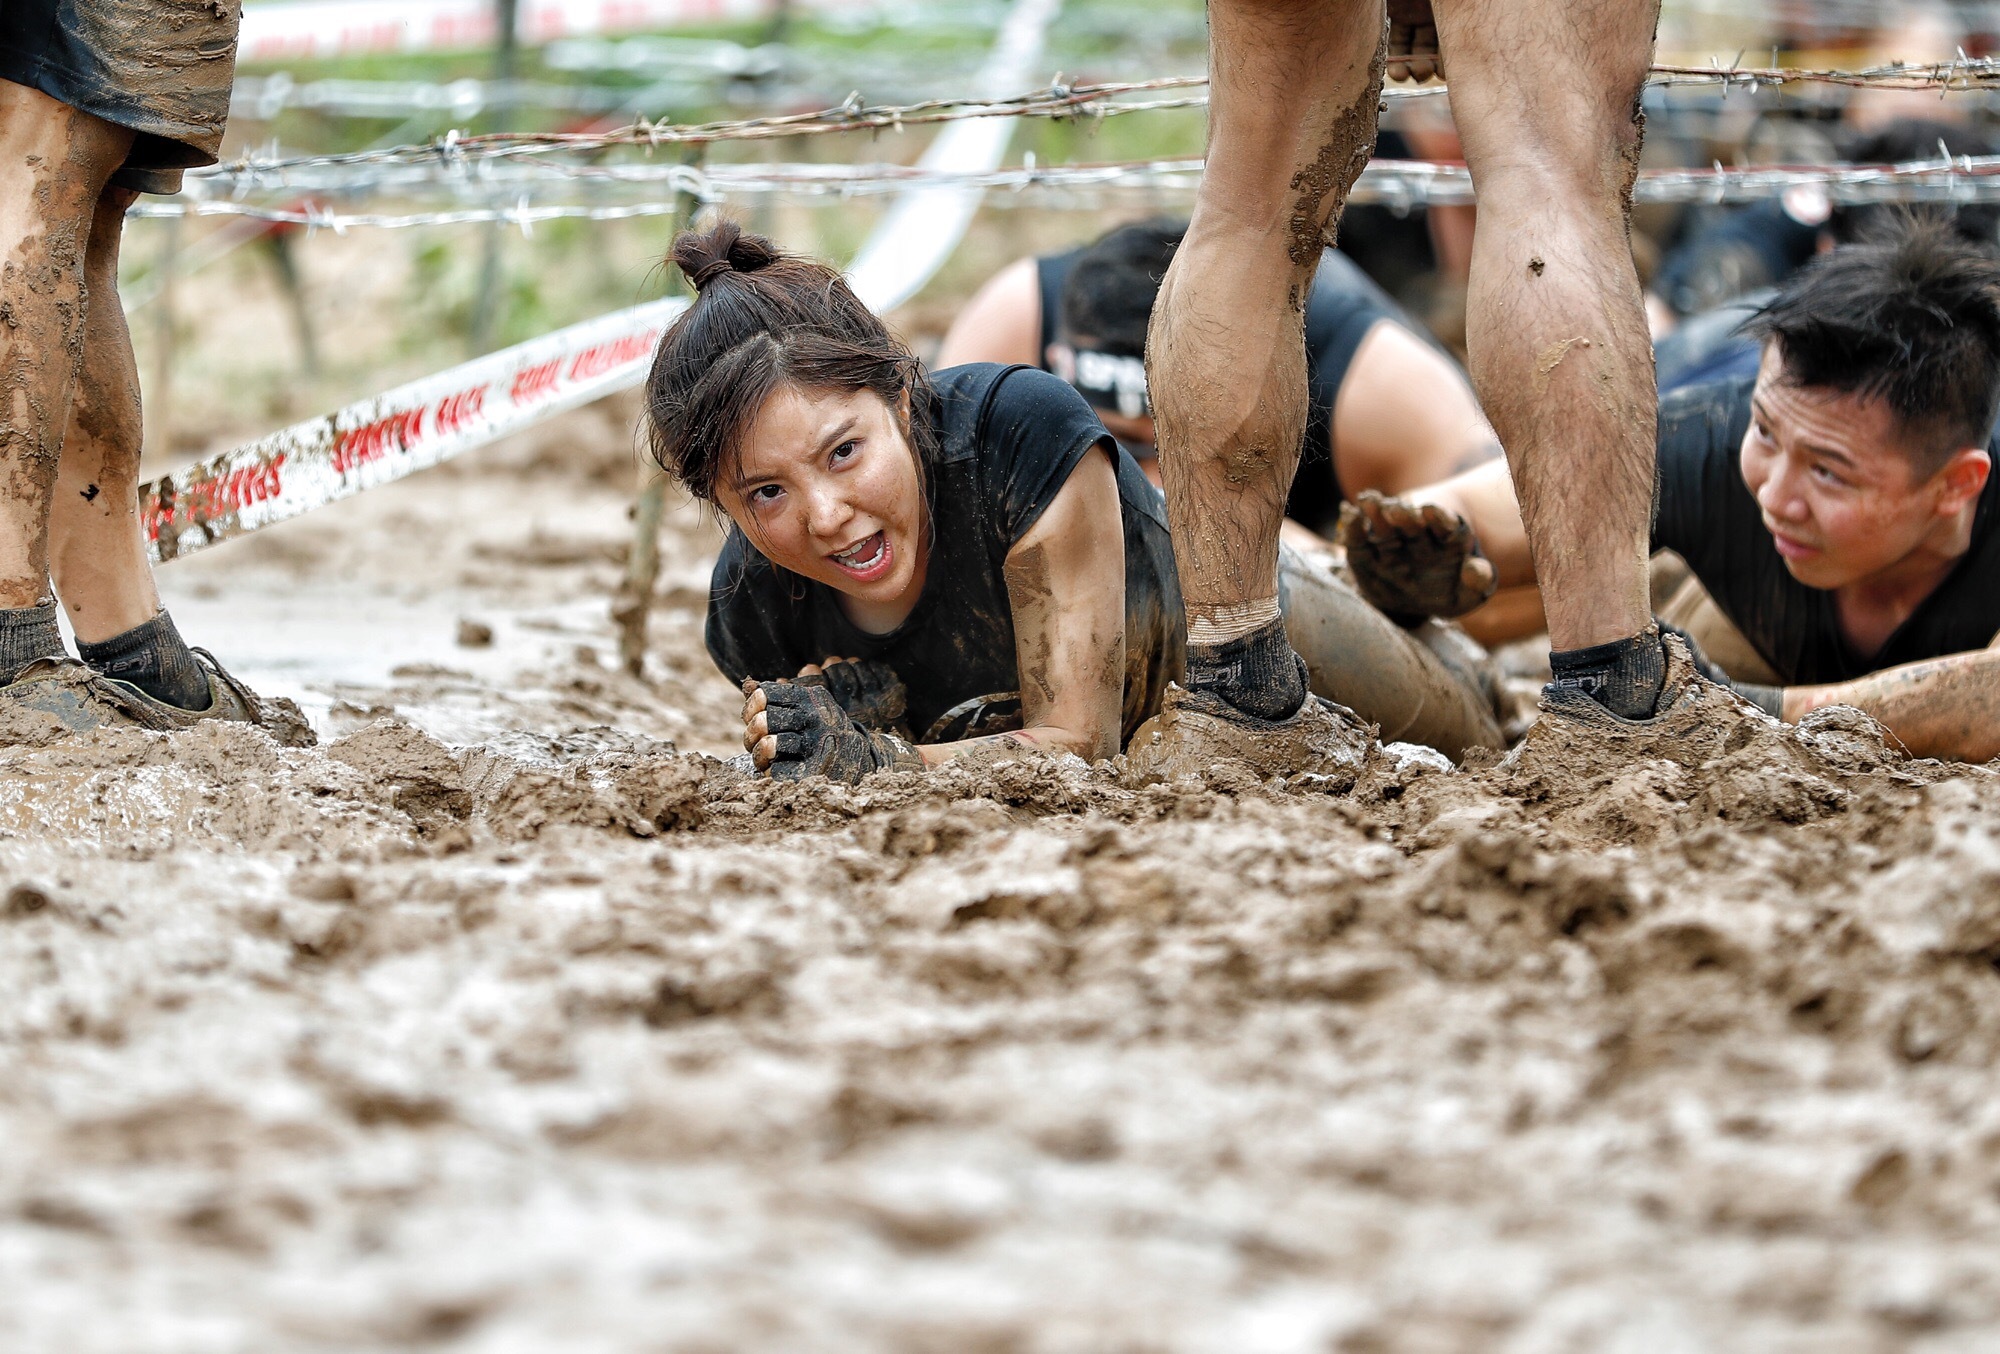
1413	41
815	737
871	693
1769	699
1413	563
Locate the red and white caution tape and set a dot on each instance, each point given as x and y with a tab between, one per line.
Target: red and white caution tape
316	29
429	421
399	432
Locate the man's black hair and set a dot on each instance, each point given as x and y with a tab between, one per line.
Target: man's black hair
1109	295
1910	316
1908	141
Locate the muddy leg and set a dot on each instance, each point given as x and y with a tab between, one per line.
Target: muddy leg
53	162
96	549
1382	672
1546	98
1293	90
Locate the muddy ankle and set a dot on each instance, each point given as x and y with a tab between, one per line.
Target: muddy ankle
1625	676
1256	673
26	634
154	658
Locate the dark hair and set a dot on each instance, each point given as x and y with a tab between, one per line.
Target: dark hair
1907	141
763	318
1110	292
1910	316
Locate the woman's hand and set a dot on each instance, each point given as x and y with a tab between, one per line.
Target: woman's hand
796	729
868	689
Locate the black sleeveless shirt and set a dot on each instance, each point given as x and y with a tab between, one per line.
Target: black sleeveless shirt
1343	307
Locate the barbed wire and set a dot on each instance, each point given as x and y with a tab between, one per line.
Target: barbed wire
1057	101
1400	184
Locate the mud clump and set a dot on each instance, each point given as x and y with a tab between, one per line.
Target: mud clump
1020	1049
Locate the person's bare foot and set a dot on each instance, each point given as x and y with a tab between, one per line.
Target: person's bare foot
1410	562
1413	41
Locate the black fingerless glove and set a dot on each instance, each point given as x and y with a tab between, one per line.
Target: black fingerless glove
871	693
816	737
1769	699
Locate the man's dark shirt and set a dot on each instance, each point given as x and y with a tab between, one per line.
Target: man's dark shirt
1343	306
1008	438
1706	515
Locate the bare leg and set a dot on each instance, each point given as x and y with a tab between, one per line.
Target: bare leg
1547	103
96	548
1293	89
54	162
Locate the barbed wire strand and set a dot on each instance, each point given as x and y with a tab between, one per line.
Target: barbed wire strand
1057	101
1396	183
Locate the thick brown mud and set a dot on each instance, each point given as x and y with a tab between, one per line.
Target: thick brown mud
500	1021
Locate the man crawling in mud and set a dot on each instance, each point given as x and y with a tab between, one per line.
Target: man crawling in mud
1389	409
99	101
1839	506
1546	100
925	566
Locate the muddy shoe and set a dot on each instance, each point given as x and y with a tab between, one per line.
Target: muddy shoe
229	700
1196	733
1695	722
75	696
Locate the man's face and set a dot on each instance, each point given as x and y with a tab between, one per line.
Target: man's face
1838	489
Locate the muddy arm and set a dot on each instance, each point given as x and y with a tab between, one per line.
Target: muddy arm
1405	417
1484	496
1942	707
1066	584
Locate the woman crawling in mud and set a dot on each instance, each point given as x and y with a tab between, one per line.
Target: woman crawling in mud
922	566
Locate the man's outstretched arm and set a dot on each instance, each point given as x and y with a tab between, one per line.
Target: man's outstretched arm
1942	707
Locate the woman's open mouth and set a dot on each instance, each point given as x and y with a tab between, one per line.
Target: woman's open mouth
866	560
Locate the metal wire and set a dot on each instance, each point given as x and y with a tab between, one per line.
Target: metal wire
1394	183
1059	101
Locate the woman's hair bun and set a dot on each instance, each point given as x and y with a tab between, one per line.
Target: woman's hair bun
723	248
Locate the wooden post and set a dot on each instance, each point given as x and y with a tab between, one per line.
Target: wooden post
486	307
632	605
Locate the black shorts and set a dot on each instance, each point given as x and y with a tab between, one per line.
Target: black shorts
161	67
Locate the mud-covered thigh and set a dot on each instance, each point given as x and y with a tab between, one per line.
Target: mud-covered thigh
1418	687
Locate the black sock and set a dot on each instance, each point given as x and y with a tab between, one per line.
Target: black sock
1256	673
1625	676
154	658
28	633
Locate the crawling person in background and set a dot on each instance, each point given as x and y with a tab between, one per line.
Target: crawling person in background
1388	408
99	102
1839	506
924	566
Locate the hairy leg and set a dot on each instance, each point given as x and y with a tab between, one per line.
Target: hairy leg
1293	90
54	162
1546	96
96	549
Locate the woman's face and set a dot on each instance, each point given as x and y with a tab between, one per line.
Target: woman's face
828	488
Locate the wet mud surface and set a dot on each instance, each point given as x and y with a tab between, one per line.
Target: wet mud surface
507	1019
